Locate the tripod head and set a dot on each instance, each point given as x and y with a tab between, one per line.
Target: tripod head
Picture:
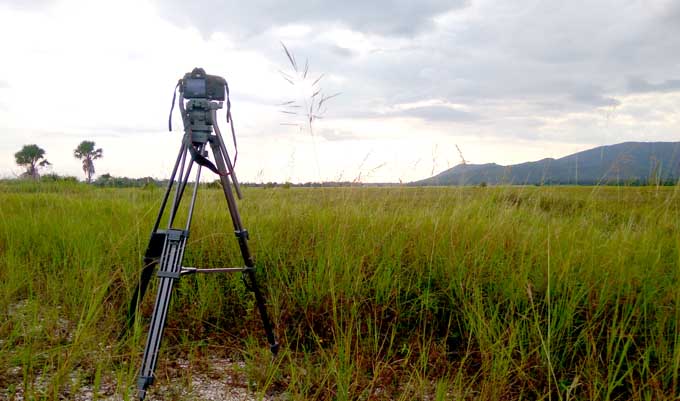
204	95
199	118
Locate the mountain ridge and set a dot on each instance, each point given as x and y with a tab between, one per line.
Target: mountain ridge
626	162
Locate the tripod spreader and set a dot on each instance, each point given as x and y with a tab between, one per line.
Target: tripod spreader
193	270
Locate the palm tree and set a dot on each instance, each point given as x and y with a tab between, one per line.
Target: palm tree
87	153
30	157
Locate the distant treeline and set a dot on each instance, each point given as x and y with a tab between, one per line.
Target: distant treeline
326	184
108	180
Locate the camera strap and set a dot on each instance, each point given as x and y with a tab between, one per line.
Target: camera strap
230	120
199	158
174	95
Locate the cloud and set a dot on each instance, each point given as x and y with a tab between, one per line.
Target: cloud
441	113
342	51
592	95
381	17
552	57
330	134
640	85
28	4
437	110
671	13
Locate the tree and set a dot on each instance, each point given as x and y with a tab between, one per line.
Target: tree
88	154
31	157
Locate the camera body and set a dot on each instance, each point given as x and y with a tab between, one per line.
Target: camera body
199	85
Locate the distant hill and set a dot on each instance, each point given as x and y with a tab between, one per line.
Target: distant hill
628	162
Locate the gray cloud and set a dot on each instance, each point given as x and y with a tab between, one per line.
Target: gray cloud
341	51
504	61
592	95
640	85
671	13
440	113
400	17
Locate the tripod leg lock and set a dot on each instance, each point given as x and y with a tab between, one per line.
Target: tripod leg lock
144	381
173	275
175	237
173	234
246	283
242	234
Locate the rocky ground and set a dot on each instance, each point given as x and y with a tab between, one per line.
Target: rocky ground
221	381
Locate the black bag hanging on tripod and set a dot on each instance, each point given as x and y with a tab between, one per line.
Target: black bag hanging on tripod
205	94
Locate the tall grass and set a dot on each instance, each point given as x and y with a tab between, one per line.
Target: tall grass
555	293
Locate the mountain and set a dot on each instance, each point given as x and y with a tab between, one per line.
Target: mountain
628	162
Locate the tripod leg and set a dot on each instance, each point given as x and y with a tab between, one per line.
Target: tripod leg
242	235
170	270
174	243
181	156
225	155
180	188
259	298
153	249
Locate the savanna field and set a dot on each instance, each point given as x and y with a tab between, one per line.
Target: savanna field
406	293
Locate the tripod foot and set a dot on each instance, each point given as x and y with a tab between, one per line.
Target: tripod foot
143	382
274	348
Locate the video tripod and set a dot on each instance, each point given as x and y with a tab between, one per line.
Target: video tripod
166	247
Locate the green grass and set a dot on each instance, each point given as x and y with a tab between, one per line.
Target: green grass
551	293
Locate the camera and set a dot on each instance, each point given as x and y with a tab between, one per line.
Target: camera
199	85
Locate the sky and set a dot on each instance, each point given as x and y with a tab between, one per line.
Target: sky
421	85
